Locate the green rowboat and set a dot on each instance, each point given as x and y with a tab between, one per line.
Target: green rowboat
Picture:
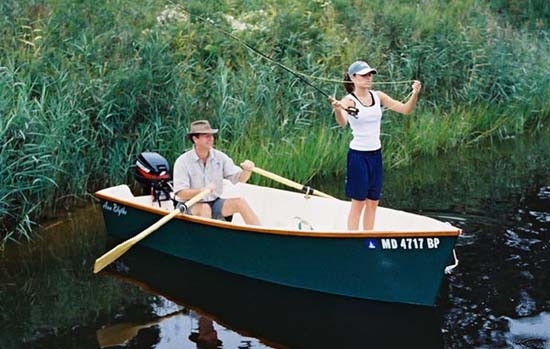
301	243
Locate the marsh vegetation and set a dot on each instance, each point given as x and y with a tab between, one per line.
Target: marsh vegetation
86	86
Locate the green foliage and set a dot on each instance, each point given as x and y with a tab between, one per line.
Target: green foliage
86	86
529	14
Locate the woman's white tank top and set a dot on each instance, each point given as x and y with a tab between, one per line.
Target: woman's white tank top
365	126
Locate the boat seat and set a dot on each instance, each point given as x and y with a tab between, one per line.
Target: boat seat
289	210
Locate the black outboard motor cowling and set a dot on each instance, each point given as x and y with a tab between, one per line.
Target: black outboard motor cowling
153	172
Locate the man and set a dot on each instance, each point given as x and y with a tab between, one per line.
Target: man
204	167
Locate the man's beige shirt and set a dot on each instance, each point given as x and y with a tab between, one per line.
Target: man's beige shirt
191	173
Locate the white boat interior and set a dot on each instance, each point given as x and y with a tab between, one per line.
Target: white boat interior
286	210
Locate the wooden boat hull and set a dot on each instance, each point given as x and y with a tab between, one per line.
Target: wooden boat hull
390	267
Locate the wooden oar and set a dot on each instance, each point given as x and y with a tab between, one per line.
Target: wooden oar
121	248
303	188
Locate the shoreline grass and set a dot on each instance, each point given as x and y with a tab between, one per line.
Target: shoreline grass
85	87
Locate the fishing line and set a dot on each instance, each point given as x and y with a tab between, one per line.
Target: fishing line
211	22
348	82
351	110
402	101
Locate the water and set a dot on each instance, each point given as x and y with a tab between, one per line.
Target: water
498	297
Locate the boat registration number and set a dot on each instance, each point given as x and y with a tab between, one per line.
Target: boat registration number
410	243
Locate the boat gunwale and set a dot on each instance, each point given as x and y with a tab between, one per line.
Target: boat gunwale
274	231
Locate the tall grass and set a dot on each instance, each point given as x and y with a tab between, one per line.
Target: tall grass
86	86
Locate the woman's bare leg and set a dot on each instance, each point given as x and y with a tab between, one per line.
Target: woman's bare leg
355	214
370	214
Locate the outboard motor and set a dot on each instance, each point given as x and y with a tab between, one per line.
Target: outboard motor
153	172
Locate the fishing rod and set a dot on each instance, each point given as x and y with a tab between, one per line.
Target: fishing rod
353	111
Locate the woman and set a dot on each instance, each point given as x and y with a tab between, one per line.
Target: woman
362	108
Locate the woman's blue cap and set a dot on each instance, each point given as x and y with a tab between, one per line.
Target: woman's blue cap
361	68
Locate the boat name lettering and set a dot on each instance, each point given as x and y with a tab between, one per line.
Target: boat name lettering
410	243
116	209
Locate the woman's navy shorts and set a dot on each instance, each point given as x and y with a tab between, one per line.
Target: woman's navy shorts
364	177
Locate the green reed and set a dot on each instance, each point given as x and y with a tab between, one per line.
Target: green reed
86	86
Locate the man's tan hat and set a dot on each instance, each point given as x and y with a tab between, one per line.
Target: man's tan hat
201	126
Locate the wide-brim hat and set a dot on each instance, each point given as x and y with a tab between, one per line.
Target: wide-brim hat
201	126
361	68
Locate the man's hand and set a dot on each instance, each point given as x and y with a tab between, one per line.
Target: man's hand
211	186
247	165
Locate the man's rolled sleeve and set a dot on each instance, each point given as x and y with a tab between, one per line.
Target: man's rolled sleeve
231	171
181	175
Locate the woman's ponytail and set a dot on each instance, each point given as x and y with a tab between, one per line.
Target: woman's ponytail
348	84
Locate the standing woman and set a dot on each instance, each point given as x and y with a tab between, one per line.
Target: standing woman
364	169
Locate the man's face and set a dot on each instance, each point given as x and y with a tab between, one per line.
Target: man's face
204	141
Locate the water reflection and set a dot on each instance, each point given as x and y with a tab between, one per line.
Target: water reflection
49	297
278	316
499	196
532	332
121	333
206	337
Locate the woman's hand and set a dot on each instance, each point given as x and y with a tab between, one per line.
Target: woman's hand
339	111
416	86
336	104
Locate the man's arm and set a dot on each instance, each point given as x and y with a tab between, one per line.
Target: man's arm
186	194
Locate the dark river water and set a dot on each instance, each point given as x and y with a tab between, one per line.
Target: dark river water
498	296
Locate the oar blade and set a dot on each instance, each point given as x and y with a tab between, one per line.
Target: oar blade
112	255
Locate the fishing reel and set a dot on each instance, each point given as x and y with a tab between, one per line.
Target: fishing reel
353	111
